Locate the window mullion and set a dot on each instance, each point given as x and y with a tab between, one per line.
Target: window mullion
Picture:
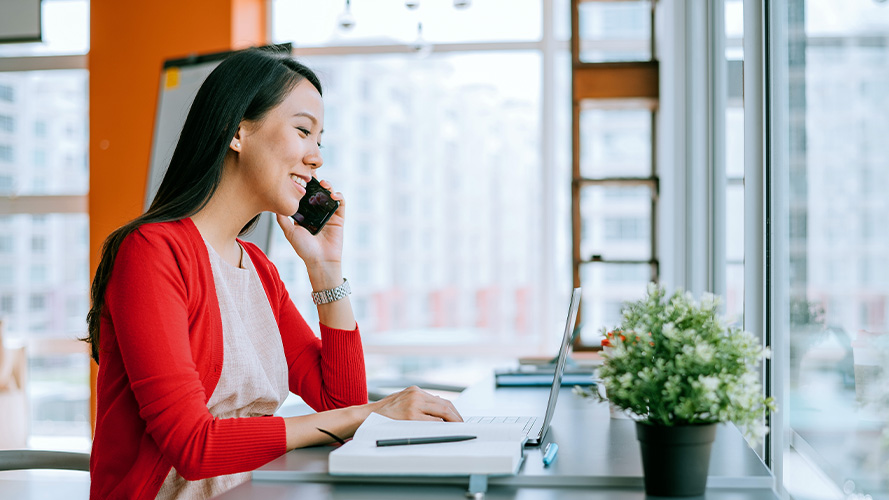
43	63
43	204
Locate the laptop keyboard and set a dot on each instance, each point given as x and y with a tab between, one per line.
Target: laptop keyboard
528	421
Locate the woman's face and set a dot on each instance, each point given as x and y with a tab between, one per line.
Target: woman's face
278	154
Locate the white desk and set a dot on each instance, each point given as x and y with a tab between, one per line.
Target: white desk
598	458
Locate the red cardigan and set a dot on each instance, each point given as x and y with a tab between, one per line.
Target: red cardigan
161	354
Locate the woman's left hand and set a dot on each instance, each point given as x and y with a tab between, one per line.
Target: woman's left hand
326	247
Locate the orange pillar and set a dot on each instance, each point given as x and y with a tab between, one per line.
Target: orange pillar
129	41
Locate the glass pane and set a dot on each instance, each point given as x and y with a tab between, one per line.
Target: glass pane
44	132
560	175
734	294
838	239
615	31
734	162
615	143
734	228
562	19
605	288
65	30
44	275
440	162
734	253
59	398
616	222
734	29
307	23
734	142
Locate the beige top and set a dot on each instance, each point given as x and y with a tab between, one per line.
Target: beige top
254	370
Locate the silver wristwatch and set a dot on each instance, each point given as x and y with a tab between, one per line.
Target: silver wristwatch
332	294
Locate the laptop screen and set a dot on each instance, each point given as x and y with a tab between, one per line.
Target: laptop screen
563	358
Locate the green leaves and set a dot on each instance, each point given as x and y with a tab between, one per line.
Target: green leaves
674	362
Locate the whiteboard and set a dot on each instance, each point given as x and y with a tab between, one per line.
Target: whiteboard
179	83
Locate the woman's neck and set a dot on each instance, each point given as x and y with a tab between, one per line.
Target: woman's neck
220	222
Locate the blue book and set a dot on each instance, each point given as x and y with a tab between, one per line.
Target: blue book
541	376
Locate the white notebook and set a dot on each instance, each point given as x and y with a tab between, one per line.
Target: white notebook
496	450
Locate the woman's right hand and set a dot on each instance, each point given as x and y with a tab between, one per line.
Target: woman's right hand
414	403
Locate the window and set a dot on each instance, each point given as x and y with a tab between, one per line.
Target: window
624	228
45	304
36	302
612	31
315	24
38	274
836	238
7	275
40	129
65	31
616	223
7	303
489	91
7	124
38	244
734	161
430	148
39	158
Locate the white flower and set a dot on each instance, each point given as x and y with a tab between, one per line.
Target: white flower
704	352
710	386
709	301
652	288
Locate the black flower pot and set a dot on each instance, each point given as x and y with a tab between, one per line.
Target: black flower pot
675	459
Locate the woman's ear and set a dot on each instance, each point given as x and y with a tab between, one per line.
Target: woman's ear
236	140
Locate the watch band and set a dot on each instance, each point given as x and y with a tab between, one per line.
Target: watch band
332	294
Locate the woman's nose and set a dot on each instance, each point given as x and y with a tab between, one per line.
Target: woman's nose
314	159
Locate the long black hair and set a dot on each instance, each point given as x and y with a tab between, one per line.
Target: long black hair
244	86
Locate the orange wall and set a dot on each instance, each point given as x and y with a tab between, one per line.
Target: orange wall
129	42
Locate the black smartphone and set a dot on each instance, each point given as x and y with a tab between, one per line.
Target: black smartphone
315	207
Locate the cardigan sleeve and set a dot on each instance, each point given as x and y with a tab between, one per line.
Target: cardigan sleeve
148	299
328	372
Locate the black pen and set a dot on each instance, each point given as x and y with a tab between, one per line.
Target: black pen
422	440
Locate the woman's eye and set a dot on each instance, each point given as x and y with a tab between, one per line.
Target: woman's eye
304	131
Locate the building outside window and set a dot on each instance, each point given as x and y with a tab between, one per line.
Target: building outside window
6	153
7	124
837	290
443	150
37	304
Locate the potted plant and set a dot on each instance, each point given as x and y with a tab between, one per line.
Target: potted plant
679	370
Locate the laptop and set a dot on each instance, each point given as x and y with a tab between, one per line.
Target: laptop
536	426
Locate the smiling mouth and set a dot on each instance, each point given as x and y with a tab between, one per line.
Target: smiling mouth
299	180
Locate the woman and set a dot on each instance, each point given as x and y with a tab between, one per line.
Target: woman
198	340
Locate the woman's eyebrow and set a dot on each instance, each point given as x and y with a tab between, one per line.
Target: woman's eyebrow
310	116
